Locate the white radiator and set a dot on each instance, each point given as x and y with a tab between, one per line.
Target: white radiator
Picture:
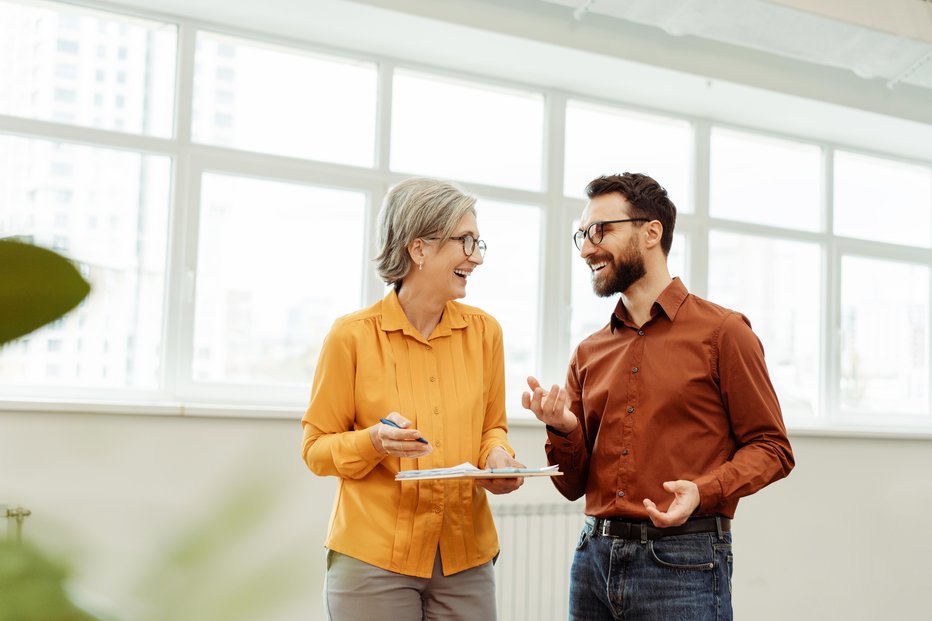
532	573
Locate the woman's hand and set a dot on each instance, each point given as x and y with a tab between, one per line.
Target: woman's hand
398	441
499	458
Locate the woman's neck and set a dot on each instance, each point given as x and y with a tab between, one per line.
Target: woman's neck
423	312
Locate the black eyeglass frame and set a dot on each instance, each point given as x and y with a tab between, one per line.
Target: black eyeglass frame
476	243
583	234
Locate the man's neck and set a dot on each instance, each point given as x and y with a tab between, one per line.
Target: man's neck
640	297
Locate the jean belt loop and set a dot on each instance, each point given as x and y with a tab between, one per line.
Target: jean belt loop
643	532
718	528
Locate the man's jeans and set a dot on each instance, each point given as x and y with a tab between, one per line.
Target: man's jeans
681	578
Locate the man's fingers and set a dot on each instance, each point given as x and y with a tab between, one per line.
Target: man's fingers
532	382
560	404
536	398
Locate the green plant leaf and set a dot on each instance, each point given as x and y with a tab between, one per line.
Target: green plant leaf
37	286
32	587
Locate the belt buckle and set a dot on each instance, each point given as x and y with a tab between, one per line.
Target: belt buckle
605	527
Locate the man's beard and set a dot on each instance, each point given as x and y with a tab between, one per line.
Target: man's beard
624	272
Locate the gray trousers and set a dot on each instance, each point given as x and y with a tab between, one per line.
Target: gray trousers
358	591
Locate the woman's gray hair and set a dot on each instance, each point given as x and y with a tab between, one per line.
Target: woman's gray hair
416	207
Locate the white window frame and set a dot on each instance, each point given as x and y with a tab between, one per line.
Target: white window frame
179	394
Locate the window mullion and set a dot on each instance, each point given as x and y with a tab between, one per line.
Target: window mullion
553	305
176	332
699	244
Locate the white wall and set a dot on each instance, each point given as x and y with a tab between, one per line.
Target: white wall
844	537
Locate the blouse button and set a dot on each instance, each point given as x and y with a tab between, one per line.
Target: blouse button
634	370
640	332
437	509
436	410
630	410
429	348
433	379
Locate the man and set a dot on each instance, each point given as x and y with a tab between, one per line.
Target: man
668	417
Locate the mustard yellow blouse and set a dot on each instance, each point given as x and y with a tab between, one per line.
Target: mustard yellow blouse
451	386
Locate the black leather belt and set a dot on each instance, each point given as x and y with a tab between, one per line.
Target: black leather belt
630	529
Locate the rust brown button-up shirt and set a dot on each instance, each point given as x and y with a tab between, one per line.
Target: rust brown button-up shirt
685	396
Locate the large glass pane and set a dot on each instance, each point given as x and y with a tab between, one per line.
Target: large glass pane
69	65
884	336
107	210
268	287
471	132
606	141
765	180
590	313
283	101
883	200
776	284
507	286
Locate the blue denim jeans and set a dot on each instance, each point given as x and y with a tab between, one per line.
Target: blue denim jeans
681	578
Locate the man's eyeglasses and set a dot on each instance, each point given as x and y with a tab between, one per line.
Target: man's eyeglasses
470	244
596	230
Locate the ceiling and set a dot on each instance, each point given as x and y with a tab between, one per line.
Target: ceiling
889	41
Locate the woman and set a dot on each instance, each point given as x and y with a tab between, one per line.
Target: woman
435	368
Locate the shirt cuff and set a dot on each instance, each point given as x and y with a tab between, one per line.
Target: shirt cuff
484	456
710	493
362	442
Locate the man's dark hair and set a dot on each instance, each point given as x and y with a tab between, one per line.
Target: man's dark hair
648	199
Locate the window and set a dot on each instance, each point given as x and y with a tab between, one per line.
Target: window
506	285
765	180
277	263
154	60
66	71
324	107
875	197
776	284
884	357
466	131
605	141
125	265
220	257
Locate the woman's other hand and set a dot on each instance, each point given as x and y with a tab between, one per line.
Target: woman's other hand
398	441
499	458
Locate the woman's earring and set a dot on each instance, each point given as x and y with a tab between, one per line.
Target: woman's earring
420	266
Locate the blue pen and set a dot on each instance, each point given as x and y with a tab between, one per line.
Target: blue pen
395	425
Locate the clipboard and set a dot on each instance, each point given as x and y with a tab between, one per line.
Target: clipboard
468	471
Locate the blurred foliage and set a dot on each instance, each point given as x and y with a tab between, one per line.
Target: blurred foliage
214	571
37	286
32	586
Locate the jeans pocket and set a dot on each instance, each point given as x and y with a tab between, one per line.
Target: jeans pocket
584	536
684	552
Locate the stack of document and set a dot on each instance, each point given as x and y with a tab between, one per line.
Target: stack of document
467	471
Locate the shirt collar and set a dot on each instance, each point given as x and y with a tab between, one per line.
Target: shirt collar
669	301
394	318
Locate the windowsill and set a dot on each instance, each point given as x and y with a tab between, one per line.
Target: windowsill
165	408
521	419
